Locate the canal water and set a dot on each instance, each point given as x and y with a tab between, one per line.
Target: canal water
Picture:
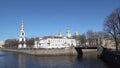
15	60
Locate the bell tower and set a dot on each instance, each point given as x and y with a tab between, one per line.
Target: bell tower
22	39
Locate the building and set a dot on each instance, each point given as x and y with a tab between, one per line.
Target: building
55	41
77	38
48	41
22	39
108	43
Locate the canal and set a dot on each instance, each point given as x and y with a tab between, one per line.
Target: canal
15	60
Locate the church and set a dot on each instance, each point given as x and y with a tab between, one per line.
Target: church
56	41
22	39
48	41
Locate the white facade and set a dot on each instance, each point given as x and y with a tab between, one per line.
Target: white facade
22	39
54	42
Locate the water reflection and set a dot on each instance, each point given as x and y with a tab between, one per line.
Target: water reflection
7	60
14	60
21	61
46	61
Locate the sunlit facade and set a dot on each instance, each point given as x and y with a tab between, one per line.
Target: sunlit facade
22	39
54	42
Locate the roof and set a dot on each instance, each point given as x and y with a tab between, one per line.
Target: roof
46	37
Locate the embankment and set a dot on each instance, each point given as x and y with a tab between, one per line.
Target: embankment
111	57
43	52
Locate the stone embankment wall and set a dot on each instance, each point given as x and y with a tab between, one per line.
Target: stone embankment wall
42	52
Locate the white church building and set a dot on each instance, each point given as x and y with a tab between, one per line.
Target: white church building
48	41
56	41
22	39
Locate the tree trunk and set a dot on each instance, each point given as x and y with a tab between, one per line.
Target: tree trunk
116	42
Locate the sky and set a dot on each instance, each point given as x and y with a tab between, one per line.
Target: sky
48	17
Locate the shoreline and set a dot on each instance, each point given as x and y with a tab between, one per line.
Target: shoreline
45	52
110	57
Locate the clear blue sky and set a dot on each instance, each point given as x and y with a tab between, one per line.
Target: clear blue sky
48	17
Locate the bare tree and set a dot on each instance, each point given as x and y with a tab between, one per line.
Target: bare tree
11	43
83	39
30	42
95	38
91	37
112	26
